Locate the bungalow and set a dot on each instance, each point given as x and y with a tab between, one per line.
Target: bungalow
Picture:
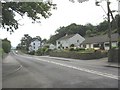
35	44
100	42
68	40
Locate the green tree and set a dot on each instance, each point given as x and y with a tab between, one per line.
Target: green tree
88	33
25	42
103	26
34	10
6	45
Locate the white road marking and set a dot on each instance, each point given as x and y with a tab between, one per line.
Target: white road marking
76	68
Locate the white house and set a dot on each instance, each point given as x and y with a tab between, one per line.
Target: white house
35	45
68	40
52	47
100	42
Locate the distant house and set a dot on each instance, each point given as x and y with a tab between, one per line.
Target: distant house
68	40
35	44
50	46
100	42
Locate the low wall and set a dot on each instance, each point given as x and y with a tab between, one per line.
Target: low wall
113	55
76	55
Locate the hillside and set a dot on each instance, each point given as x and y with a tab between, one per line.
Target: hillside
87	30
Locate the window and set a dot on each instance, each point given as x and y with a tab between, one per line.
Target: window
77	40
66	47
59	47
96	45
33	43
84	46
34	47
107	44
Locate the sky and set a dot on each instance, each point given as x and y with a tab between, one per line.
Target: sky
65	14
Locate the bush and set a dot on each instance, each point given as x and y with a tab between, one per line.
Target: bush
80	49
39	52
71	49
43	51
32	53
72	45
6	45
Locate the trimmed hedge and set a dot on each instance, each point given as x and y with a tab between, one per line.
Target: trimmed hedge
76	55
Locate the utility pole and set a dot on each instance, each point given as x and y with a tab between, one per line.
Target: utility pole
109	32
109	24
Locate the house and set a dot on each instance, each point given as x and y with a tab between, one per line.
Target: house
100	42
35	44
68	40
50	46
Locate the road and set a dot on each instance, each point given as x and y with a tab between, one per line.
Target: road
49	72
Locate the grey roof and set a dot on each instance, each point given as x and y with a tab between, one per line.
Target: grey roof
100	39
35	39
66	37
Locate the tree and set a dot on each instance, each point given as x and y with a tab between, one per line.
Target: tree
88	32
25	42
72	45
6	45
34	10
39	38
103	26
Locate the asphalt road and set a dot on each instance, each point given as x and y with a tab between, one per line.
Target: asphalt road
48	72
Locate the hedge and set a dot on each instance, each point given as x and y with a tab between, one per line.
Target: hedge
76	55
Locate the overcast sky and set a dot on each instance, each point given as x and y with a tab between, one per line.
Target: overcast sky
66	13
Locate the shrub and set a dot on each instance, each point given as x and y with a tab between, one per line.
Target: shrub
6	45
32	53
72	45
79	49
71	49
43	51
39	52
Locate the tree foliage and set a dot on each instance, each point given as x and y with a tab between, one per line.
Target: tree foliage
6	45
25	41
84	30
34	10
88	32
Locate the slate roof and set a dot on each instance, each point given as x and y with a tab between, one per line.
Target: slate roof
35	39
100	39
66	37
